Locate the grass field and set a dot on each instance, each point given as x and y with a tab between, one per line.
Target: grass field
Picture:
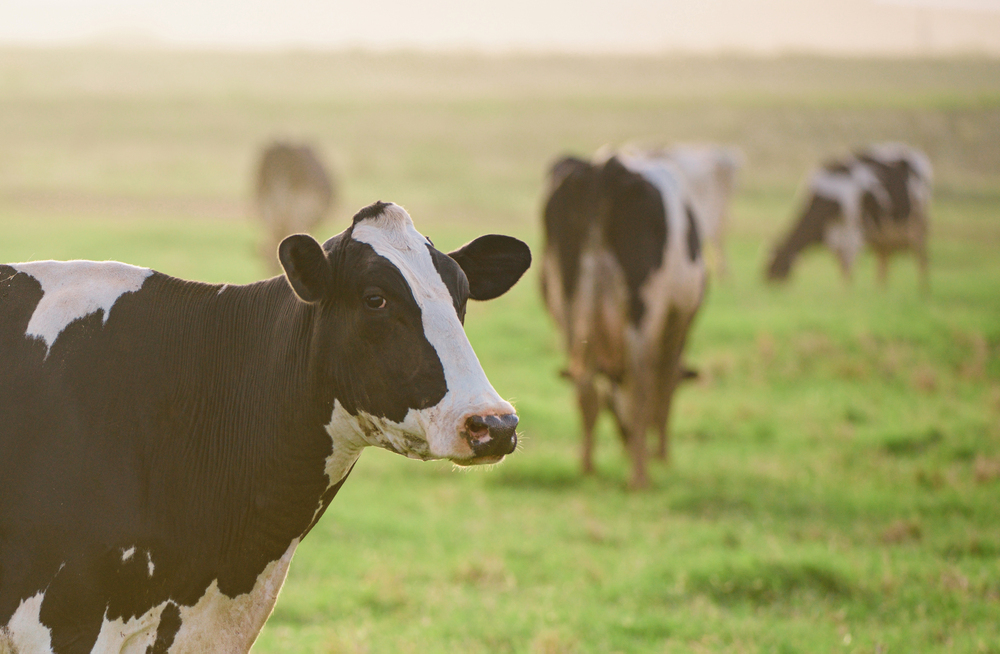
836	476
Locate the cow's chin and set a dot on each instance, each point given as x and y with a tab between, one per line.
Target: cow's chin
478	461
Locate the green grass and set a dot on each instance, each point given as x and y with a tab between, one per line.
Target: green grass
836	468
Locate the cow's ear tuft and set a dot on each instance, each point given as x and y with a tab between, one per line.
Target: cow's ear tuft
306	267
493	263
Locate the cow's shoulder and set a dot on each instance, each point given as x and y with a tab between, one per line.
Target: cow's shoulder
67	291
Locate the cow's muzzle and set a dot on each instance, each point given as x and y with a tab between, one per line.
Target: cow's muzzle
491	437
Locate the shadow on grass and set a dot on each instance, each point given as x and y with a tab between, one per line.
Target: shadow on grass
549	476
762	583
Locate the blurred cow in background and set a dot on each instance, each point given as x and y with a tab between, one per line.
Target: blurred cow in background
711	172
877	197
293	192
623	277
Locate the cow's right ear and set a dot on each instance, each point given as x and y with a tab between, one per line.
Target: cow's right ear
306	267
492	263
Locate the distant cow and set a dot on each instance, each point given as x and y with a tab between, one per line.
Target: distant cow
622	276
710	172
165	445
293	192
877	197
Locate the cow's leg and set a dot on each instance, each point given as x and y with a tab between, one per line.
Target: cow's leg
721	265
845	267
883	268
923	266
640	417
637	452
669	377
590	406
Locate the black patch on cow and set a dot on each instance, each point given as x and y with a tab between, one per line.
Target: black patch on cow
166	631
634	226
454	278
373	210
872	213
693	238
570	214
894	176
838	167
808	230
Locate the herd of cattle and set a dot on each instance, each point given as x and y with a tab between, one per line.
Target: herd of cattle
166	444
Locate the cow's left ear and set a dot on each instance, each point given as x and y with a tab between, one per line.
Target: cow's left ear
306	267
493	263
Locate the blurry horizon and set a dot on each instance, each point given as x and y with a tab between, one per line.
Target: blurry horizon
761	27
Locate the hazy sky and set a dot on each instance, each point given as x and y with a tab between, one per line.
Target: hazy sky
842	26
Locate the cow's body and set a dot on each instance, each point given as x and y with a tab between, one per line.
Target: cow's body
165	444
623	277
710	172
878	197
292	192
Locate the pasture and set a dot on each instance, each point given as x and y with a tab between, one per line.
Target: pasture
835	485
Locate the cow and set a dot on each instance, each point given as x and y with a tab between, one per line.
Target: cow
165	445
292	193
622	276
877	197
711	174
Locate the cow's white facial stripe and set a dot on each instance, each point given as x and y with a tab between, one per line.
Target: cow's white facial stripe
25	631
393	236
75	289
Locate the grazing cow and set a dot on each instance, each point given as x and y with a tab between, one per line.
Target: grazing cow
165	445
877	197
710	172
622	276
292	191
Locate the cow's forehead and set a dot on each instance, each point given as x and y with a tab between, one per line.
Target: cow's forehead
392	235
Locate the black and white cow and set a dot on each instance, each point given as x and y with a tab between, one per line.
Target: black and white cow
623	277
165	445
292	191
877	197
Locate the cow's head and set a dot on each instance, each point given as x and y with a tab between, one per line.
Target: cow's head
389	349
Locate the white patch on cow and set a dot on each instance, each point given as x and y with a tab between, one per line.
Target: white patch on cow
433	432
127	554
132	636
846	237
75	289
149	563
24	631
218	623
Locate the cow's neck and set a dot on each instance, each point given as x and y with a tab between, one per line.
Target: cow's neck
254	444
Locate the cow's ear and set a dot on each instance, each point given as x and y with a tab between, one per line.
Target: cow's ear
306	267
493	263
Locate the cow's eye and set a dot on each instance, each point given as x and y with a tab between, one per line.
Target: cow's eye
374	301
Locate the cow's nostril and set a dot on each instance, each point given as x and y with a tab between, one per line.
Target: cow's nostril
477	427
492	435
